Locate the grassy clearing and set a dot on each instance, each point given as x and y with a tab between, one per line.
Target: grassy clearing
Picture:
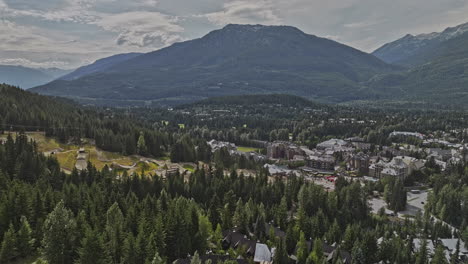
67	160
189	168
146	167
248	149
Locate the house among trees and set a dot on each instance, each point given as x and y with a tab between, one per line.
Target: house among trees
234	239
213	258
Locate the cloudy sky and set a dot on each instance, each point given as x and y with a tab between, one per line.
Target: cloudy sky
70	33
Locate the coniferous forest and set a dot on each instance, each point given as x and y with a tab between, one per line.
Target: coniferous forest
106	216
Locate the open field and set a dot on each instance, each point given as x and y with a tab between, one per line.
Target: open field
248	149
67	154
67	159
189	167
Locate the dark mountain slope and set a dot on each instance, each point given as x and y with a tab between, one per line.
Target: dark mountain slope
416	50
99	66
238	59
443	78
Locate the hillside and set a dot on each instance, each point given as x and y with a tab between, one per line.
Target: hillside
416	50
238	59
443	78
98	66
27	77
69	122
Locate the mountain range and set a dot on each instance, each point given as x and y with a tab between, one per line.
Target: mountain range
436	72
238	59
28	77
256	59
415	50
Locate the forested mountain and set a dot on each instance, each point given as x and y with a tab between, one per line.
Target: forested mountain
99	66
416	50
28	77
441	75
238	59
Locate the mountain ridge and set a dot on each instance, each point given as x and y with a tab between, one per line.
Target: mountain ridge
234	60
99	66
410	49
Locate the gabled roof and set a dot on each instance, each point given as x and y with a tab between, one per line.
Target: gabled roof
451	245
262	253
235	239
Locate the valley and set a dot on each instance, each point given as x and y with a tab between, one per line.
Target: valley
215	133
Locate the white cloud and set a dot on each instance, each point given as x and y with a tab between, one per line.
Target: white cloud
77	31
245	12
34	64
143	29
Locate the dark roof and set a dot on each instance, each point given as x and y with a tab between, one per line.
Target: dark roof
214	259
235	239
328	249
278	232
345	256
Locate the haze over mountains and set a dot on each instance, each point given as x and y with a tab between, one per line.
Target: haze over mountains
28	77
255	59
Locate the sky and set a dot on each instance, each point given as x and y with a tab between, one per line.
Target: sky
71	33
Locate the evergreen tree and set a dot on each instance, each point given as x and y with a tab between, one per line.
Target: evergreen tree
141	145
25	240
196	259
92	249
316	256
130	251
8	249
157	259
302	251
439	256
114	233
58	244
422	254
281	255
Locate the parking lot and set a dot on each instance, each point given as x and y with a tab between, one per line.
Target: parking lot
415	204
327	185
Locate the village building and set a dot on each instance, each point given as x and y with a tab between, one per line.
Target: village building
407	134
217	145
283	150
359	162
336	145
399	167
323	162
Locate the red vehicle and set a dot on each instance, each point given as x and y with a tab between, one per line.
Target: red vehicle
331	178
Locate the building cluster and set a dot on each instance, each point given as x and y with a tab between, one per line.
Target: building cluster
325	157
407	134
449	245
399	167
233	150
263	254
